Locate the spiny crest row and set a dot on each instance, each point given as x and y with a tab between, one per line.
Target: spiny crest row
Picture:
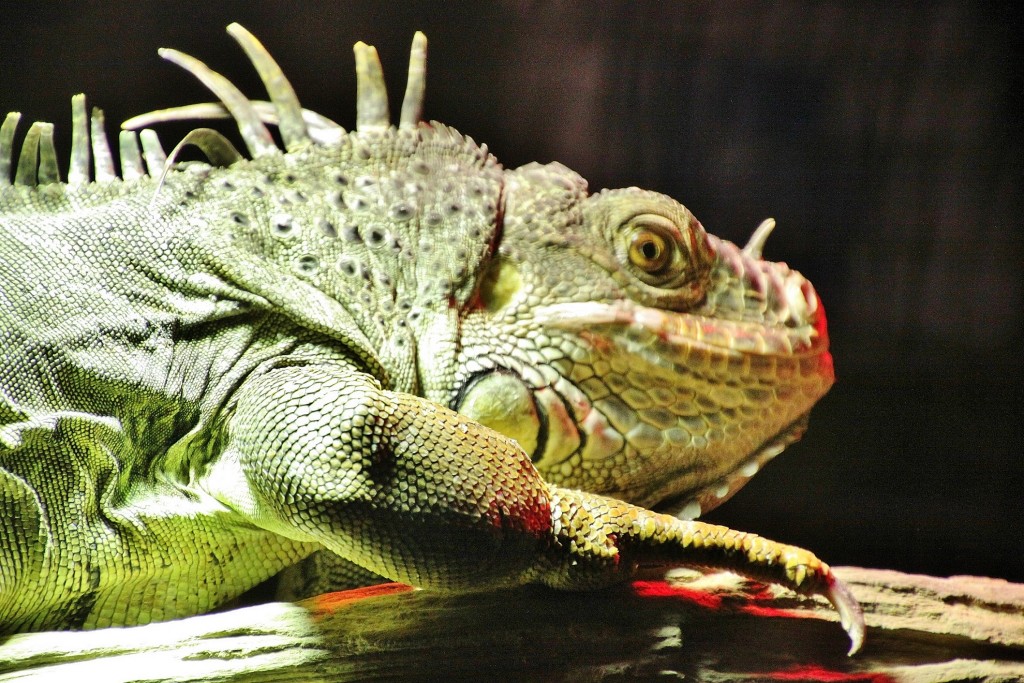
37	162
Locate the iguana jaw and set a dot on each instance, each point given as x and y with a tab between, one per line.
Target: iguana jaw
778	372
693	505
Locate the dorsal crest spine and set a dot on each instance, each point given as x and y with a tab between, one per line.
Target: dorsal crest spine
91	154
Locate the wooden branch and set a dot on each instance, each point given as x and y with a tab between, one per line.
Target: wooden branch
686	627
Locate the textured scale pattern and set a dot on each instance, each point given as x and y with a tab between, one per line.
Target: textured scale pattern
374	354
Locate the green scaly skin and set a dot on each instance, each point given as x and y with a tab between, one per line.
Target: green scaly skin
379	344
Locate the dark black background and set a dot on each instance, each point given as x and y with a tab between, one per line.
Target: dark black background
884	138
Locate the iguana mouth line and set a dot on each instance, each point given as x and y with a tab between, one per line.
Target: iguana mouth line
731	338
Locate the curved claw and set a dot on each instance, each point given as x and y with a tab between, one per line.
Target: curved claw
851	616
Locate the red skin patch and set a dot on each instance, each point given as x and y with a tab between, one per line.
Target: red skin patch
660	589
329	602
764	594
817	673
745	604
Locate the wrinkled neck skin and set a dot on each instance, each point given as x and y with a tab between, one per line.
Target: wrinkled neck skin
661	395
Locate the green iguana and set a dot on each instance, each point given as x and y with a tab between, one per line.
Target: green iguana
378	343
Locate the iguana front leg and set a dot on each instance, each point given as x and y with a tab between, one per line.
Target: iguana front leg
418	493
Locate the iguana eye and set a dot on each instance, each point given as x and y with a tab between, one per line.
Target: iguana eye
653	250
649	251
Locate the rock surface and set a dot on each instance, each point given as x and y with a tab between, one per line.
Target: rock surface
681	627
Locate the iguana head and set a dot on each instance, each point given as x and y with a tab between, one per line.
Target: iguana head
634	354
627	350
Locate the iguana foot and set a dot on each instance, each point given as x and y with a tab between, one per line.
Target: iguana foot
601	540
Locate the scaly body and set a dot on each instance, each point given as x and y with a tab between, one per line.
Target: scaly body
377	344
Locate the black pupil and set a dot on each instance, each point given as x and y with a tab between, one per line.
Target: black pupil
650	250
